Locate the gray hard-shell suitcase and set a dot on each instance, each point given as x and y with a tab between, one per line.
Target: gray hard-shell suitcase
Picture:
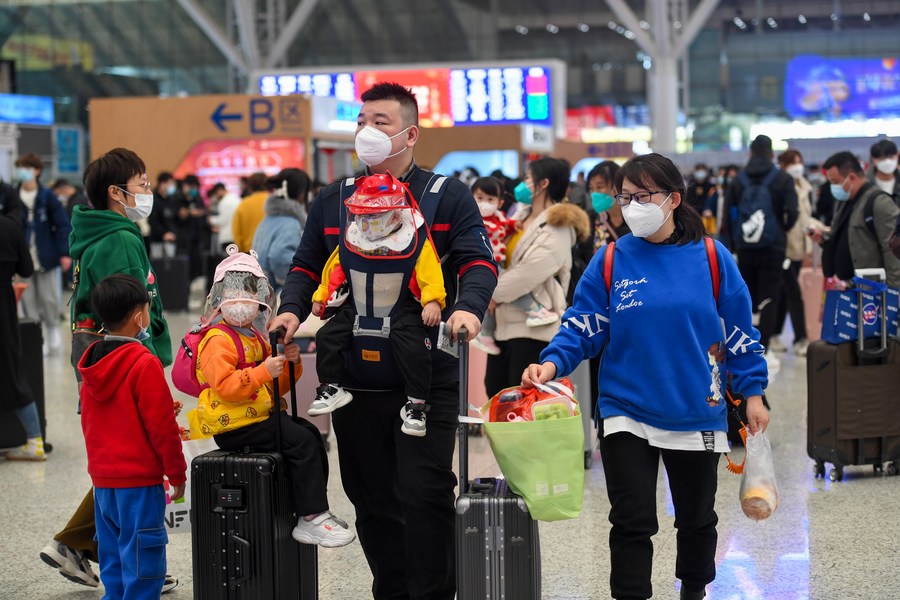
854	403
241	523
497	546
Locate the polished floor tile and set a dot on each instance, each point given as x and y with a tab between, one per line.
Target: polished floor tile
826	541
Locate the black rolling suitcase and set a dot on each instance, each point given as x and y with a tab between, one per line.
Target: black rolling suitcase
497	545
174	281
854	403
241	520
32	363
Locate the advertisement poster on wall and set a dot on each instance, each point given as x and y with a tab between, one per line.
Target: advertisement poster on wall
832	89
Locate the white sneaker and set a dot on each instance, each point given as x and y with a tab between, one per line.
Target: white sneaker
413	415
486	344
71	563
772	362
329	398
169	584
800	347
776	345
325	530
541	316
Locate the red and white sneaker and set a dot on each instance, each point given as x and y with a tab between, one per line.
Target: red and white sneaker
325	530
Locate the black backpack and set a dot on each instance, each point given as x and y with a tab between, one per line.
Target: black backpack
753	221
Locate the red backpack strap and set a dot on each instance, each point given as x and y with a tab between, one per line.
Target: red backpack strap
263	343
236	339
608	265
713	266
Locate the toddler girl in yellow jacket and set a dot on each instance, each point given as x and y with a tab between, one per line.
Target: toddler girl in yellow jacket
236	406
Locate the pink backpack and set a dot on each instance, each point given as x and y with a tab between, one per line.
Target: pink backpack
184	369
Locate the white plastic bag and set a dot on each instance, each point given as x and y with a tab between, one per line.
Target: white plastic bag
177	517
759	491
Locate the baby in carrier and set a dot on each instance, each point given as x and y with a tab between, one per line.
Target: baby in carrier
395	274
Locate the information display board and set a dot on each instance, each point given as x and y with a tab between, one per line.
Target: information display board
26	110
447	96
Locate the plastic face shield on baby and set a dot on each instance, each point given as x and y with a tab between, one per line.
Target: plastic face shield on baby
382	219
240	293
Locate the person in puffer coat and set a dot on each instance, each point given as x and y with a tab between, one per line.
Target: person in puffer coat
540	264
278	235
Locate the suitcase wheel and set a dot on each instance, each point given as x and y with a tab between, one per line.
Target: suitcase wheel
892	469
878	468
475	429
836	474
819	470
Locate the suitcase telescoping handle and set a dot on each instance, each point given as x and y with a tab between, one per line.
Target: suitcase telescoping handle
867	285
276	394
463	347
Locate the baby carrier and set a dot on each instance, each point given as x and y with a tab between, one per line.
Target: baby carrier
379	272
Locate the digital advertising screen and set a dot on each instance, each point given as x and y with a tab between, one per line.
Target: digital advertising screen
226	161
828	88
447	97
26	110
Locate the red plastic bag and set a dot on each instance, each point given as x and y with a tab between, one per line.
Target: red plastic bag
517	403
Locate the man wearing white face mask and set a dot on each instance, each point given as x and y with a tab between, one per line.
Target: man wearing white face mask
884	171
105	241
401	485
864	219
47	232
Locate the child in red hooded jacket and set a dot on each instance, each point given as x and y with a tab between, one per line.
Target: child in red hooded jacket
128	418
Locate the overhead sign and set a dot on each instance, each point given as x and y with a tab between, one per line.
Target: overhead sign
26	110
447	97
839	88
262	115
179	124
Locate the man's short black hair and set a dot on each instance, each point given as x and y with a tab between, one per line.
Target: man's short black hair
116	298
218	187
164	177
60	183
257	181
115	168
883	148
388	90
191	180
761	146
846	163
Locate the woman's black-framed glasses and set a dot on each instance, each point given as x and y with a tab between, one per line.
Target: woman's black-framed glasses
640	197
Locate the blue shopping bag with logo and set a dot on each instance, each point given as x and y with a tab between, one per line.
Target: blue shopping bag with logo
865	306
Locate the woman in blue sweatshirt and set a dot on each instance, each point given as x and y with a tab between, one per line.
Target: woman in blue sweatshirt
668	340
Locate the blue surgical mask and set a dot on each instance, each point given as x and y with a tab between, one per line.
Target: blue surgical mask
839	193
143	334
25	174
601	202
523	193
171	189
